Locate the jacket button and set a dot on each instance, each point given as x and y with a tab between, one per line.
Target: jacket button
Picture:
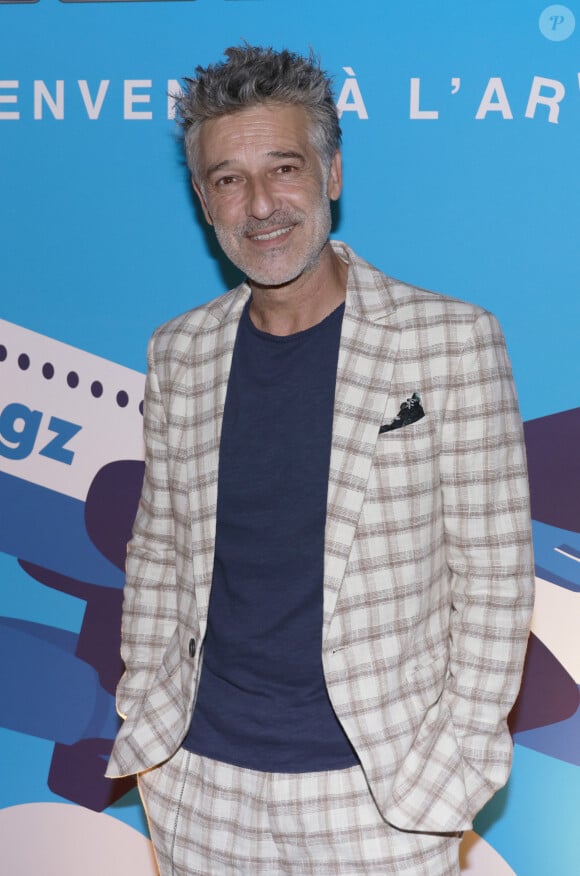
192	647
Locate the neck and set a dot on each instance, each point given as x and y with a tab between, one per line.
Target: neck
305	301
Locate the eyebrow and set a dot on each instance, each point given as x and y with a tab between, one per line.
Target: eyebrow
275	153
289	154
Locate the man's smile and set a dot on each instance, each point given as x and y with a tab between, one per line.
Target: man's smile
271	235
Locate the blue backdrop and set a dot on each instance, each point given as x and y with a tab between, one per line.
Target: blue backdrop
461	125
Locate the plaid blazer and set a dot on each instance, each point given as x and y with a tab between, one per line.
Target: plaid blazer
428	569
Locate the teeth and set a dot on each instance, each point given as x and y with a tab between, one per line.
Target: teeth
272	234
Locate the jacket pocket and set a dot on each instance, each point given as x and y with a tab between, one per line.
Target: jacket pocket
427	675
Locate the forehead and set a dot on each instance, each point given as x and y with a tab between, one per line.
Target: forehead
254	132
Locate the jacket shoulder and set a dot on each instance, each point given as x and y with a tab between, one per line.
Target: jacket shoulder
412	302
379	296
174	337
431	319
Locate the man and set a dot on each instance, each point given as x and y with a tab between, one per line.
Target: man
337	458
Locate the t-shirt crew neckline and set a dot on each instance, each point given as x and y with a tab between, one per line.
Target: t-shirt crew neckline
337	313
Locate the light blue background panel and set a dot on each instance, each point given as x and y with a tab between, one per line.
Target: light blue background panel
101	238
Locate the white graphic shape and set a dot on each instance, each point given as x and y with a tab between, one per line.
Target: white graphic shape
93	107
108	430
552	101
11	84
415	112
130	99
494	100
478	858
42	95
57	839
556	622
557	22
350	98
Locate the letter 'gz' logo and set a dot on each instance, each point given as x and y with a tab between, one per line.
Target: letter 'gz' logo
19	427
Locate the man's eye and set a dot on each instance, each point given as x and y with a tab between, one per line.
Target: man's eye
286	168
225	181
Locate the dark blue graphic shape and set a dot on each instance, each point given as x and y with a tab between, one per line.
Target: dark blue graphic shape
548	693
554	551
48	529
61	685
53	694
561	740
546	715
111	506
554	466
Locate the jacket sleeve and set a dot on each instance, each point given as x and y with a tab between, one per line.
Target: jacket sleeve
149	604
489	554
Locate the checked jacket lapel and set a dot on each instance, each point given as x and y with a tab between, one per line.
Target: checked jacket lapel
208	381
368	349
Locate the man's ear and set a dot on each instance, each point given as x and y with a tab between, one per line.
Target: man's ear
334	184
199	192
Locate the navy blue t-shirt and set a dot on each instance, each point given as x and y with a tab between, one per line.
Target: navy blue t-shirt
262	701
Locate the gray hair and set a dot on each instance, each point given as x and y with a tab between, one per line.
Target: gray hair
254	75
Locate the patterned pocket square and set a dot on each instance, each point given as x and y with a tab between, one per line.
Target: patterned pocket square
409	412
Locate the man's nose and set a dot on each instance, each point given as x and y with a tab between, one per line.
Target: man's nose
261	199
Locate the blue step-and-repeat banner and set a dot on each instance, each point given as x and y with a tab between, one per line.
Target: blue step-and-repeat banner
461	154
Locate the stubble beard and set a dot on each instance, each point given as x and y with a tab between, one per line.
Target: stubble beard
264	269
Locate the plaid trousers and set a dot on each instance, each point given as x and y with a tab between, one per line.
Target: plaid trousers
209	818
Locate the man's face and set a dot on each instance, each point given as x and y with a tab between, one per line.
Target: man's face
263	188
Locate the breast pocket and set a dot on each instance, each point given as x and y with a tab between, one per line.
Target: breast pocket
416	441
409	453
404	478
